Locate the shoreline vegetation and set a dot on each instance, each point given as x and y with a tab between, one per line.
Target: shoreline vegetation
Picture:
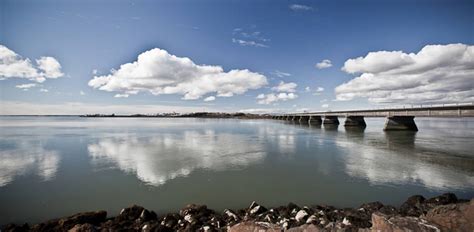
442	213
184	115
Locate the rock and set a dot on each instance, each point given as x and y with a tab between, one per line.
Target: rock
83	228
15	228
170	220
147	215
306	228
447	198
255	209
301	215
312	220
93	218
155	227
372	206
254	226
381	222
131	213
413	206
453	217
346	222
230	216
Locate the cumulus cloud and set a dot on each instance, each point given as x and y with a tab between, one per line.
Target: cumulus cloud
158	72
210	98
307	89
324	64
44	90
275	97
436	74
13	65
26	86
325	105
285	87
299	7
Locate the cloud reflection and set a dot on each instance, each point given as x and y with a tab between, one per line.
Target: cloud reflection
380	164
162	157
26	157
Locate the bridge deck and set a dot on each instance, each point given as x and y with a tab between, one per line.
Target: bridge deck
437	111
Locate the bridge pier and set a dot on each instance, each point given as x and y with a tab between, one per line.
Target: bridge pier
315	120
400	123
355	121
331	120
304	119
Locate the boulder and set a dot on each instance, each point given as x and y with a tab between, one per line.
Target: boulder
254	226
83	228
447	198
413	206
453	217
256	209
131	213
381	222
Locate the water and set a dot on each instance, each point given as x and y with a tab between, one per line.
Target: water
56	166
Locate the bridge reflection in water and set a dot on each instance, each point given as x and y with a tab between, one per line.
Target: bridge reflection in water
396	118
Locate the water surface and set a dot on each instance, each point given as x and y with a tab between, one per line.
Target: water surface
56	166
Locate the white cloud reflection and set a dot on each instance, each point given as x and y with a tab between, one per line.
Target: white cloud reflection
158	159
381	166
26	158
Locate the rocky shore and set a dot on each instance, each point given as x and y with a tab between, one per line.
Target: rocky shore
442	213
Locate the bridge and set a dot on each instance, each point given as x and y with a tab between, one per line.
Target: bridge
396	118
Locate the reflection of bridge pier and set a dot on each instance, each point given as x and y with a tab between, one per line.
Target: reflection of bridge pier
396	118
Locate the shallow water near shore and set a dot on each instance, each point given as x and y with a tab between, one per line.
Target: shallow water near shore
56	166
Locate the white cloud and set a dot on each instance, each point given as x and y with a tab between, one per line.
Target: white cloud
299	7
285	87
118	95
95	71
158	72
281	74
210	98
249	43
307	89
436	74
82	93
44	90
26	86
324	64
324	105
50	67
272	97
13	65
318	92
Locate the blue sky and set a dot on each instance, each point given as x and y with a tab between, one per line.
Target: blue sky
265	37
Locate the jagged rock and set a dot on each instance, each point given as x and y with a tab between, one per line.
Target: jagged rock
381	222
230	216
312	220
83	228
155	227
255	209
371	206
301	215
170	220
447	198
15	228
131	213
453	217
413	206
306	228
254	226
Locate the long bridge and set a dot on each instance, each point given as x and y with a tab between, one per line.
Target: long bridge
396	118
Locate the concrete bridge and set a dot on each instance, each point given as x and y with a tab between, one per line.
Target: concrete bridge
396	118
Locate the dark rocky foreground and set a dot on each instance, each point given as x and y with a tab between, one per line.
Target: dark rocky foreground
442	213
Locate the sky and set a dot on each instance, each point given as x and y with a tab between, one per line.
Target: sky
140	56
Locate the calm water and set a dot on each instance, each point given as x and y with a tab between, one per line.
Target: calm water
56	166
